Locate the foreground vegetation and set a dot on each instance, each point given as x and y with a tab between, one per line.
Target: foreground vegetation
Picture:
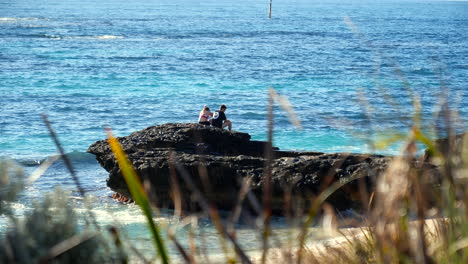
411	217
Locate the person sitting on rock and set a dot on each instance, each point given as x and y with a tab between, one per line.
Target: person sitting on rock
204	116
219	118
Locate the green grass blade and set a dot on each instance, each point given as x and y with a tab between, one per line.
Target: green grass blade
386	140
138	193
431	147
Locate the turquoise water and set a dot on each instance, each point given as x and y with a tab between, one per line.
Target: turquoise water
133	64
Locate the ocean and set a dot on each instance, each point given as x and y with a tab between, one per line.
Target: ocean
350	69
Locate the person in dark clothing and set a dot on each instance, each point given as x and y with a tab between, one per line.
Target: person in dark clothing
220	120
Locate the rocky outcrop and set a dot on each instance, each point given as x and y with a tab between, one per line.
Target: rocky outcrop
219	161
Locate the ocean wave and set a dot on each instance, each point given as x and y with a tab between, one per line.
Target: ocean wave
17	206
7	20
422	71
75	157
131	58
109	37
219	35
16	19
52	36
30	162
460	66
96	37
254	115
61	37
46	36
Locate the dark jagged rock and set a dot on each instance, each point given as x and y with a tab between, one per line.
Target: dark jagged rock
225	159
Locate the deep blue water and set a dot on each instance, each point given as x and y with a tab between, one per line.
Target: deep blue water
133	64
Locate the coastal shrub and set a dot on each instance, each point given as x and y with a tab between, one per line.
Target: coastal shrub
50	233
11	183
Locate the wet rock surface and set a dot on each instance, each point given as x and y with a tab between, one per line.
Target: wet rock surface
219	161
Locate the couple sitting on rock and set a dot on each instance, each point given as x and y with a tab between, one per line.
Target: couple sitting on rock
216	119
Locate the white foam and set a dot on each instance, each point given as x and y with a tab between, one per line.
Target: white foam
128	216
103	37
15	19
17	206
8	20
109	37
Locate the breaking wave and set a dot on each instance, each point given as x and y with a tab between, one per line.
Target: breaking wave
75	157
96	37
16	19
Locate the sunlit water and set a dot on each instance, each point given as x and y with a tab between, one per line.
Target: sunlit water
133	64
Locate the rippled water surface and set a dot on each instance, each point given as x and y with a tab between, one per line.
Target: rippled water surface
133	64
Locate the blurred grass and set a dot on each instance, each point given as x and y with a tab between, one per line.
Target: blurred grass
409	220
138	194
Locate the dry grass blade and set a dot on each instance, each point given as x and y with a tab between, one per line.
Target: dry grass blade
191	234
314	208
69	166
267	190
391	212
397	71
206	207
212	212
396	68
65	158
286	106
66	245
176	192
245	188
367	110
118	243
188	258
36	174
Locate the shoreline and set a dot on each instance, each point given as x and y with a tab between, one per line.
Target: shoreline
340	240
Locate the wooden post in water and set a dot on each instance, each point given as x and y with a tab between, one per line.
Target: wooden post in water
269	10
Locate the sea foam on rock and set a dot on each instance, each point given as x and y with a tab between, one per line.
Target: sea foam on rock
226	159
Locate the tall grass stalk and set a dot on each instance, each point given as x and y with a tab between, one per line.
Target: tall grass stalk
138	193
214	215
396	228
